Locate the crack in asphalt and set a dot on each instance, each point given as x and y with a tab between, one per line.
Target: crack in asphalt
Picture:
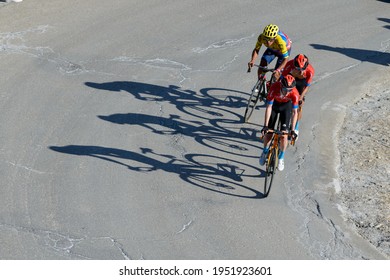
64	244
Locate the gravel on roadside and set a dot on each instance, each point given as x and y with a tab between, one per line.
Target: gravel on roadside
364	146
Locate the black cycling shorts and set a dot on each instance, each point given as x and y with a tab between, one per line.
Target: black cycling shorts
285	111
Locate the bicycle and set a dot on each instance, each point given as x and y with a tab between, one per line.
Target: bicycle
272	159
259	91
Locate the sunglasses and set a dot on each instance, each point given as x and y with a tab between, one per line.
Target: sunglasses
300	69
269	39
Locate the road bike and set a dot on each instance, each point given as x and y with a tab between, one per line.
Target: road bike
259	91
272	159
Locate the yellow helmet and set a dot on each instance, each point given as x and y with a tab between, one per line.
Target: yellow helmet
270	31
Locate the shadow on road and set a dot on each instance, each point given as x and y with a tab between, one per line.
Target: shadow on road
182	99
385	20
207	116
212	135
215	124
205	171
376	57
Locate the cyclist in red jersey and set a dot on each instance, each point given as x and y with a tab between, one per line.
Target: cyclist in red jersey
303	72
282	99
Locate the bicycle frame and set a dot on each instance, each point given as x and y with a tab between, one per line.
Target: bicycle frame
259	91
265	70
275	142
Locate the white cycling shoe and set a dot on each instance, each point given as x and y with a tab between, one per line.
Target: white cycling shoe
281	164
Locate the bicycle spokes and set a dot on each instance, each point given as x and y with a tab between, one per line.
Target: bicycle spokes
258	92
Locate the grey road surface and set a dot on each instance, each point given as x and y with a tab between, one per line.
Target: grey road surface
122	136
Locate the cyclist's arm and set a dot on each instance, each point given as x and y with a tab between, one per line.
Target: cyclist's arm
302	97
294	117
255	52
294	100
309	79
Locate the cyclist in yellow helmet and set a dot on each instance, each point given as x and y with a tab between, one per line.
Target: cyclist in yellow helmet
278	45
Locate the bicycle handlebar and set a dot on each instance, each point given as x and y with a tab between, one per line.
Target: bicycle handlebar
263	68
276	132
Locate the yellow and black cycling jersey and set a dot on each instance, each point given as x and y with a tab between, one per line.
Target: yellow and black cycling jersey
281	44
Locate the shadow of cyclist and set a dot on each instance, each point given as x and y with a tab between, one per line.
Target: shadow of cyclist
385	20
376	57
204	171
213	127
211	135
172	94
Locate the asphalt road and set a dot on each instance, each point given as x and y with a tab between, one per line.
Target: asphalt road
122	134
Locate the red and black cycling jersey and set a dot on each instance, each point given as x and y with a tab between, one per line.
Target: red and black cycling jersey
308	74
274	94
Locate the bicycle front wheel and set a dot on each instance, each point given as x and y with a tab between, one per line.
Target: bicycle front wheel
253	99
270	171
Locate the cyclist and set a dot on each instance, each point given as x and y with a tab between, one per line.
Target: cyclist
278	45
282	99
303	72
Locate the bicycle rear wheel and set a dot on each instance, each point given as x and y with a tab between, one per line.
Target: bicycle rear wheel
270	171
253	99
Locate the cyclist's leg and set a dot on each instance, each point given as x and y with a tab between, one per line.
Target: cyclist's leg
271	125
285	118
274	115
268	136
279	61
